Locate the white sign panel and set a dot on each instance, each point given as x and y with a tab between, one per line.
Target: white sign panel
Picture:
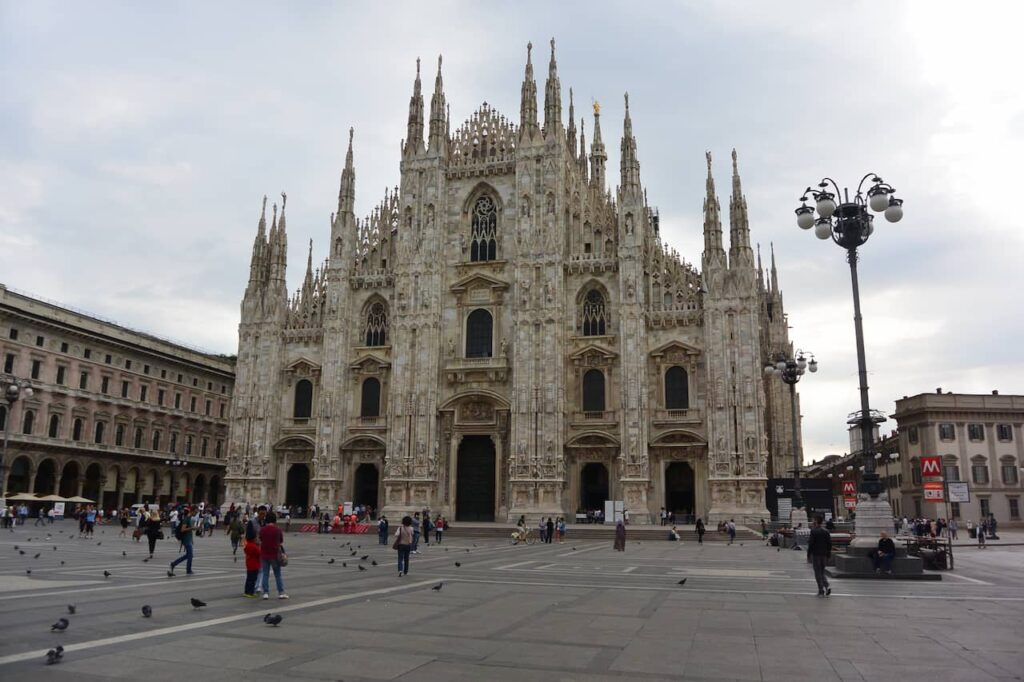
58	509
959	491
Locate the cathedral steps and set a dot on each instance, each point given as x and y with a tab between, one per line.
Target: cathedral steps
597	532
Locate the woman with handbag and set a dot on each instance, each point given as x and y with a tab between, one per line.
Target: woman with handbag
272	555
152	531
403	543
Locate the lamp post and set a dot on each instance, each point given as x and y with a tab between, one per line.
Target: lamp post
12	389
886	458
790	370
849	224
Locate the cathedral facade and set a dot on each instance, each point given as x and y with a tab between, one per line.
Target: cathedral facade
504	335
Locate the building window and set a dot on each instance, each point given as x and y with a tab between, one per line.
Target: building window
54	426
9	363
912	435
28	422
119	435
947	432
1004	432
160	393
484	245
917	508
163	374
76	430
952	472
177	401
203	445
3	417
188	445
209	385
145	369
83	380
209	408
979	472
98	433
192	404
1014	508
915	472
976	432
195	381
179	378
13	334
593	391
218	449
138	438
595	314
479	334
303	407
87	353
369	405
64	347
1010	474
954	509
986	507
143	393
105	385
377	325
174	443
677	389
124	388
223	389
36	365
222	410
156	440
108	358
127	364
60	375
40	341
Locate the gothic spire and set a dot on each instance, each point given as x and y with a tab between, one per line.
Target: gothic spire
774	273
760	270
347	193
629	180
570	133
598	157
583	152
740	252
414	135
257	266
552	96
438	122
714	254
528	99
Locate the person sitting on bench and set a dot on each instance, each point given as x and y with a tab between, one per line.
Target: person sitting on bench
883	556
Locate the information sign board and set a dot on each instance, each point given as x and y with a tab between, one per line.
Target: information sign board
959	491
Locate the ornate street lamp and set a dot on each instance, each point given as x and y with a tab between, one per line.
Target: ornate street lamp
790	370
12	389
849	224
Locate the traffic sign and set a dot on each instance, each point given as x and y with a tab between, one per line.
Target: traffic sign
933	492
931	467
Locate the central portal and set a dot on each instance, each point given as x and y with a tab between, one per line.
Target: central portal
679	491
593	486
297	490
474	477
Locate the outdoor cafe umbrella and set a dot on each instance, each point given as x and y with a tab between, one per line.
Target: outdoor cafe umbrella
52	498
22	497
80	500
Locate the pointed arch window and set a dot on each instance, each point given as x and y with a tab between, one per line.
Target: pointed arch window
479	334
303	399
593	391
484	233
677	389
377	325
594	314
369	405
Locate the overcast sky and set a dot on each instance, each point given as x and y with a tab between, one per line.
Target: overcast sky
137	139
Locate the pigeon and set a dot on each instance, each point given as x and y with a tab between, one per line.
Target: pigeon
62	562
60	626
21	551
344	564
437	587
273	619
331	560
55	548
364	557
681	582
28	571
146	560
374	562
361	567
52	657
124	553
36	556
71	609
457	564
147	610
106	574
15	547
197	604
59	650
99	543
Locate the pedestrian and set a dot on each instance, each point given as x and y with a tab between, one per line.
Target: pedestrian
664	516
185	530
620	537
730	528
415	533
41	516
426	527
236	531
981	535
819	550
382	530
272	555
123	516
700	530
549	531
404	543
764	530
952	529
252	567
542	529
439	525
561	529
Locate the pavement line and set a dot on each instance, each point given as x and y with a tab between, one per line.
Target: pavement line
118	586
574	552
630	569
964	577
135	636
508	566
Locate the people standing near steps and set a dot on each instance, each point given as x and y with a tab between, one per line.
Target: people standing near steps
620	537
730	528
271	549
700	530
404	543
819	550
980	534
542	529
123	518
426	527
561	529
186	528
882	557
664	516
549	531
951	527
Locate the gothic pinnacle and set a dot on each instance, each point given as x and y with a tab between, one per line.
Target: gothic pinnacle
552	96
528	99
438	123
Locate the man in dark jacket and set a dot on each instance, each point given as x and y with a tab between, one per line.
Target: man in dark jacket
819	549
883	556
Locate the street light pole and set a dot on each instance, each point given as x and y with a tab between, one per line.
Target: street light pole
12	390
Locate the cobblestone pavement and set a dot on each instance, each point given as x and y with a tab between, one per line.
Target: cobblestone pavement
577	611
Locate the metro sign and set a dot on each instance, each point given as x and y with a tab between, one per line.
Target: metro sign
850	488
931	466
933	492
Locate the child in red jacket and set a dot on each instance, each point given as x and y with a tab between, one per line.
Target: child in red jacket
252	567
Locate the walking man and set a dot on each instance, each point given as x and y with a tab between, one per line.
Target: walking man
185	528
819	550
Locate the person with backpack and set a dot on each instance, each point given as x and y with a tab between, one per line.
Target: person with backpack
183	534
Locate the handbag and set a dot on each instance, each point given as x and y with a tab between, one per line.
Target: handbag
282	557
394	545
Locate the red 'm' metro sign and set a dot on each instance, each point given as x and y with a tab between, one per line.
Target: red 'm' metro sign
849	488
931	466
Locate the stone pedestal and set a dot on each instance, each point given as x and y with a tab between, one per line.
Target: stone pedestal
873	517
798	518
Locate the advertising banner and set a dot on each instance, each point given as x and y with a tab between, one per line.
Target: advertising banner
959	491
933	492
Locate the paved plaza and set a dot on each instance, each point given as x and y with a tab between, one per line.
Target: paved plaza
578	611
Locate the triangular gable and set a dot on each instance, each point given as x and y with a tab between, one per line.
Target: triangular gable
366	358
675	346
478	280
591	348
298	364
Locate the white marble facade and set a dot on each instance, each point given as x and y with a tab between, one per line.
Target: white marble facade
500	321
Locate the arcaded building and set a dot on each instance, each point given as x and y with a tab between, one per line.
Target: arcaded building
505	334
117	415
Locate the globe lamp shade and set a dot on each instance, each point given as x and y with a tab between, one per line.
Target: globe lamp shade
895	211
805	217
878	199
825	205
823	229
